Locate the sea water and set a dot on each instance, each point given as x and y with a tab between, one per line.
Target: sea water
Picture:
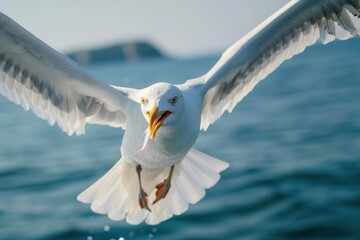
293	145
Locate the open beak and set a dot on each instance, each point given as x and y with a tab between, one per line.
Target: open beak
156	120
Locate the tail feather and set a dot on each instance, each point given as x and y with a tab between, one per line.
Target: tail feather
180	205
204	179
104	194
89	194
205	161
190	188
116	193
116	210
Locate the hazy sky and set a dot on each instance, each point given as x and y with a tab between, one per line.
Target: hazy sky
183	27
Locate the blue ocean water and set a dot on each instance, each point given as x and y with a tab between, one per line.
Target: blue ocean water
293	145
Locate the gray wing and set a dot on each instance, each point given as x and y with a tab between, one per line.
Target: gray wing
37	77
286	33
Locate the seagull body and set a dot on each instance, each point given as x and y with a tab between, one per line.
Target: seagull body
171	144
160	173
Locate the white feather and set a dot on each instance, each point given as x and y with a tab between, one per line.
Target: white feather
37	77
116	193
146	139
286	33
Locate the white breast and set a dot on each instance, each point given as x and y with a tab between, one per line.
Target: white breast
170	144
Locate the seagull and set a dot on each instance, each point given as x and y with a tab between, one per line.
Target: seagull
160	173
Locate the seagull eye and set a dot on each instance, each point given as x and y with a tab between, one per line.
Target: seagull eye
143	101
174	99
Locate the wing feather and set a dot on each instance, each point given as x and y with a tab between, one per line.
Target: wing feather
288	32
40	79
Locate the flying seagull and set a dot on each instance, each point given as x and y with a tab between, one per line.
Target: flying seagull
159	172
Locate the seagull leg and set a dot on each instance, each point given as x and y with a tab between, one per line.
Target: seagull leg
163	188
143	201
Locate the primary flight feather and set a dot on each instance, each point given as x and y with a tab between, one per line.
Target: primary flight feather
159	172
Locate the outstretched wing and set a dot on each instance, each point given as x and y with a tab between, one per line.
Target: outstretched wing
37	77
286	33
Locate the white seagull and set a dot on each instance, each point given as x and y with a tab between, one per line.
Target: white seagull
159	172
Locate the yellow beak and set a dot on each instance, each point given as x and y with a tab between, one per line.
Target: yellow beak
156	120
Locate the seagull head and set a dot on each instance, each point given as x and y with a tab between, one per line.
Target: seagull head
161	105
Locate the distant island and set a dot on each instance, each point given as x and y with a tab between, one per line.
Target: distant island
122	52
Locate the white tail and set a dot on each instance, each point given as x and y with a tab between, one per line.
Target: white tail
116	193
